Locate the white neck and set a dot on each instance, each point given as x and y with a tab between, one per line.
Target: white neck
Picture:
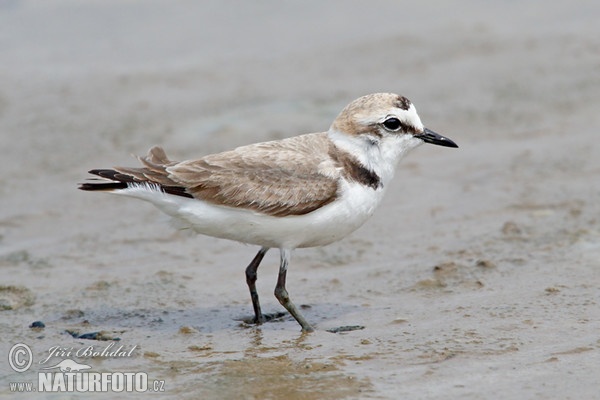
380	155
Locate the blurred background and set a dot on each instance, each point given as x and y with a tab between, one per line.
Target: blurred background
478	276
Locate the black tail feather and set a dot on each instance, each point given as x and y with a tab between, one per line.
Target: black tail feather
113	175
122	181
103	186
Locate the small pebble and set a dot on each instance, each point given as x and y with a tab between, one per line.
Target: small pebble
37	325
510	228
346	328
187	330
485	264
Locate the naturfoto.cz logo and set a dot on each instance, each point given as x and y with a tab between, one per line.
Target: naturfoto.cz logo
69	375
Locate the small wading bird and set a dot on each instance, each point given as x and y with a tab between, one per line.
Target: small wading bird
304	191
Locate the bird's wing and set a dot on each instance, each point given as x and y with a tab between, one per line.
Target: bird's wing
286	177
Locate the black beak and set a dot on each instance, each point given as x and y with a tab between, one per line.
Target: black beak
429	136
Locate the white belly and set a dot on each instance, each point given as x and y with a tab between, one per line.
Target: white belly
320	227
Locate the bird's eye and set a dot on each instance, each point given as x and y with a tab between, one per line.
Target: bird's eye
392	124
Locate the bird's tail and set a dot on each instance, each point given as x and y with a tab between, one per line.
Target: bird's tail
153	175
115	181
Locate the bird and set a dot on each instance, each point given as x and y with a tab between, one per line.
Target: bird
303	191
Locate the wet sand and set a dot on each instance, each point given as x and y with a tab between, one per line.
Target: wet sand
477	278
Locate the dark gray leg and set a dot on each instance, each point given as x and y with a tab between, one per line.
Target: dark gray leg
251	281
283	296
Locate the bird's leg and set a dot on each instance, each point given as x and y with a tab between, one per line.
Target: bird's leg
282	294
251	281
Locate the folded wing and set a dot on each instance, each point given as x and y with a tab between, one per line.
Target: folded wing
287	177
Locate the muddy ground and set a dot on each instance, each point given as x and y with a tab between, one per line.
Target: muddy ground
478	277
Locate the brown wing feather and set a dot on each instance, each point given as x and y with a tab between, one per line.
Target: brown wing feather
286	177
